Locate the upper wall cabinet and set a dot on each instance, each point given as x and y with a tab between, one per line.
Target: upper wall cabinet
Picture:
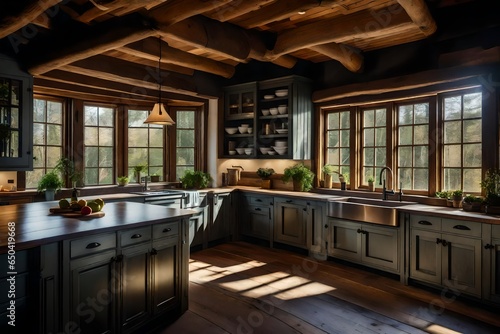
16	116
268	119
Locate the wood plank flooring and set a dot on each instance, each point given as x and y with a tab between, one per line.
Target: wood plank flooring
244	288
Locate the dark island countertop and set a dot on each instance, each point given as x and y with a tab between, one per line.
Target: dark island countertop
35	225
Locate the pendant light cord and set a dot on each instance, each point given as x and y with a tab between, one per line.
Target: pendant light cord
159	74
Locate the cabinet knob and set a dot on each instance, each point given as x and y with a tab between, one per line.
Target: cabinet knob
119	258
93	245
289	201
136	236
488	246
359	230
445	243
154	252
424	222
326	225
257	209
438	241
166	230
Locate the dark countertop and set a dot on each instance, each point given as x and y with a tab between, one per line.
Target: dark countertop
35	225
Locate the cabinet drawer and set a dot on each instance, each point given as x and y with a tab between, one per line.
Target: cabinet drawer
259	200
425	222
165	230
92	244
462	227
135	236
294	201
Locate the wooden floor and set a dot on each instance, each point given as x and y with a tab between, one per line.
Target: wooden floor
245	288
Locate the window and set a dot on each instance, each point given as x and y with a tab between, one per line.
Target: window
145	144
47	138
185	141
99	142
413	146
374	142
462	133
338	142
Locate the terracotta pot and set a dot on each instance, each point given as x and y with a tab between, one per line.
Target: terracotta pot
371	186
298	185
265	184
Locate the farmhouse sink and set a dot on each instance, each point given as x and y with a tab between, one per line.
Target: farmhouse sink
375	211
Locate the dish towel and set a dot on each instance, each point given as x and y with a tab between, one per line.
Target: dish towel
192	199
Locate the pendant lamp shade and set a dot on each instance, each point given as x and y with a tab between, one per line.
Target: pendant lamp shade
159	115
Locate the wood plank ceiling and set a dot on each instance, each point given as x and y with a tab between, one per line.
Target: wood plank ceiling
109	49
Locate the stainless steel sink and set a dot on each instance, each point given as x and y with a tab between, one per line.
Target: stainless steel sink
367	210
158	192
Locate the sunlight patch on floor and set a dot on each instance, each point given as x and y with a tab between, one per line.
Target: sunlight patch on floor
437	329
206	272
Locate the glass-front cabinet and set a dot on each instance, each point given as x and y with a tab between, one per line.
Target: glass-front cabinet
16	105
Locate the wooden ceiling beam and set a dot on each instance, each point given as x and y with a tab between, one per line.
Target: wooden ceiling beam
174	11
106	36
25	13
351	58
149	49
236	8
418	11
359	25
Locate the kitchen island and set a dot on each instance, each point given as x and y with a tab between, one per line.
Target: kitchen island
122	271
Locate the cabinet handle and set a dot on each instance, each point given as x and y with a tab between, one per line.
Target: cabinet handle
93	245
461	227
258	200
136	236
359	230
166	230
488	246
445	243
271	203
257	209
119	258
289	201
154	252
424	222
305	209
438	241
326	225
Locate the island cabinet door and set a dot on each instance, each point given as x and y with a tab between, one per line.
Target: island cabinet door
93	289
134	301
345	240
379	247
166	287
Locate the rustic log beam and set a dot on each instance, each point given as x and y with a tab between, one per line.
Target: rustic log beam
27	12
418	11
174	11
236	8
149	49
350	57
364	24
117	7
279	10
117	70
96	40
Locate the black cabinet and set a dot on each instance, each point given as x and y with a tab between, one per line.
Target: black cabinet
219	226
279	114
16	116
257	217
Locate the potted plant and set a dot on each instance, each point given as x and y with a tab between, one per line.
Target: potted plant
195	179
446	195
265	174
67	168
327	170
138	170
472	203
301	176
155	177
123	180
371	183
50	182
456	195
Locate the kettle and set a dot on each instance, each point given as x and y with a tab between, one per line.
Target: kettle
233	175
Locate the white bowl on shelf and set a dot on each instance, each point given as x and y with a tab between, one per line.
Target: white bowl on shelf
244	125
281	92
232	152
240	150
242	129
249	130
271	152
281	131
264	150
231	131
273	111
265	112
248	151
282	109
280	150
280	143
268	97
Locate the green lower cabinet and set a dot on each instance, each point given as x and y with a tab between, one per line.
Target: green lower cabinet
290	222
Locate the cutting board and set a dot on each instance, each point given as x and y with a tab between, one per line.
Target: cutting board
71	213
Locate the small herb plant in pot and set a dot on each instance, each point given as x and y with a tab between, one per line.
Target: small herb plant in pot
265	174
138	170
50	182
371	183
472	203
327	170
456	195
123	180
301	176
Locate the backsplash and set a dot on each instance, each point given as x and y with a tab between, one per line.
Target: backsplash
5	177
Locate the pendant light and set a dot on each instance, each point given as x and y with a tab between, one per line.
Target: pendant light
159	115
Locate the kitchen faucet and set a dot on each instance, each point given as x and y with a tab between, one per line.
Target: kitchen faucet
390	192
145	188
